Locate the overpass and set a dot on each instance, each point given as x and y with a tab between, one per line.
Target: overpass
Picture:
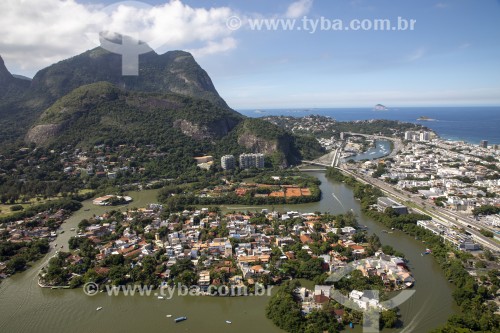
332	159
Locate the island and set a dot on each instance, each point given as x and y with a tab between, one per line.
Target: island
380	107
111	200
424	118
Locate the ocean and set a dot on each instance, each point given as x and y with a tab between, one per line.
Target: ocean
470	124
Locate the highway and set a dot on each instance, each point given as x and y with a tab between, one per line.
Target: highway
436	212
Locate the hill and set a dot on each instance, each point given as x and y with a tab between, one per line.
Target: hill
102	112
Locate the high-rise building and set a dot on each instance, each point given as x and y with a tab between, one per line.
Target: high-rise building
227	162
259	161
248	161
409	135
484	143
342	136
424	136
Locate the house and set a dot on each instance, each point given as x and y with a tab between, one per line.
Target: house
384	202
306	239
363	300
322	290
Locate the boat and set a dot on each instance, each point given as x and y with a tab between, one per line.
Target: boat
228	322
161	297
168	316
72	229
427	251
178	320
99	308
409	284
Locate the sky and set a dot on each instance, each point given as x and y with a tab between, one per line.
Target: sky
451	57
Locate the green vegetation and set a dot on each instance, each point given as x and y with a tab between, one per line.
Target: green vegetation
102	113
19	254
66	204
486	210
285	312
215	191
486	233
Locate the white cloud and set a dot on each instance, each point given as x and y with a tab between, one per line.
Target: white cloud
416	55
38	33
441	5
299	8
224	45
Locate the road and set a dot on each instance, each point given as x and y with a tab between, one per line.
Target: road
437	212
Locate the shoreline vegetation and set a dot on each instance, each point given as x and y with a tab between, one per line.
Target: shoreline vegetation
475	315
35	228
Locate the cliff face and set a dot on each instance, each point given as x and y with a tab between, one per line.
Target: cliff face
259	136
42	134
259	145
212	131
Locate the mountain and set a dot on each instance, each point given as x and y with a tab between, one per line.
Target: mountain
23	101
10	85
85	100
13	115
22	77
173	71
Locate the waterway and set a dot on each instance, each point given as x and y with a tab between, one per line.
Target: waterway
382	148
24	307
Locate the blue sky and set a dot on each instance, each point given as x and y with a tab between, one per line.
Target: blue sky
452	57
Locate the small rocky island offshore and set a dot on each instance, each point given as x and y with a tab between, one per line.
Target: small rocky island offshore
424	118
380	107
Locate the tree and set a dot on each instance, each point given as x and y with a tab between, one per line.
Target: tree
388	319
16	264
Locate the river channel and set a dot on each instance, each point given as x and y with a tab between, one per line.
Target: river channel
24	307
